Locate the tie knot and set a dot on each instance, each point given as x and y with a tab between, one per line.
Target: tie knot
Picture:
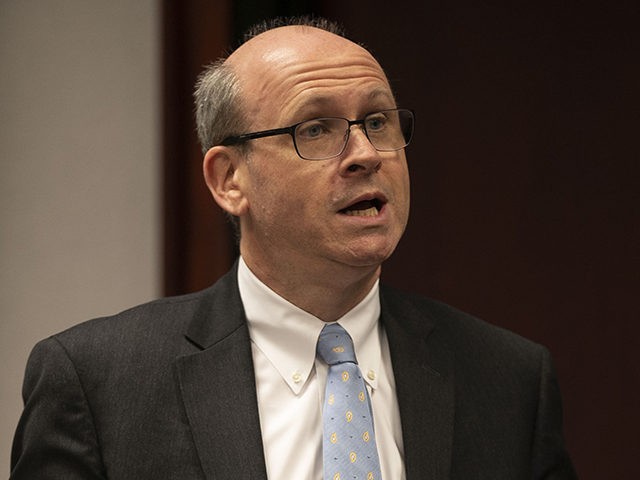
335	345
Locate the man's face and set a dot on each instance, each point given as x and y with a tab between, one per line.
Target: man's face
350	210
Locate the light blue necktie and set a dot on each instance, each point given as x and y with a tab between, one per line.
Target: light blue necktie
348	442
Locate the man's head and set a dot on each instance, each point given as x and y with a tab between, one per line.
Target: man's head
348	210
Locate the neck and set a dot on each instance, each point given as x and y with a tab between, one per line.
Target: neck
327	292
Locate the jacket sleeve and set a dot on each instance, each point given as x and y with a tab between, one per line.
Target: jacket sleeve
56	436
550	460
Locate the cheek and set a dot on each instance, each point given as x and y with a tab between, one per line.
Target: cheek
407	197
288	182
277	199
401	187
406	183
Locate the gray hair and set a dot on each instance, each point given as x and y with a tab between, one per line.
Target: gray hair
302	21
218	105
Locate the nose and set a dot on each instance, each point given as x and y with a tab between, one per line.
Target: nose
359	157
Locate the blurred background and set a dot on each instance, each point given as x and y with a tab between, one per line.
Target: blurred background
525	174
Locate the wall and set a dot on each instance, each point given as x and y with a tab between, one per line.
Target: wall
80	172
525	193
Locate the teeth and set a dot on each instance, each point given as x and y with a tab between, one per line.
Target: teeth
369	212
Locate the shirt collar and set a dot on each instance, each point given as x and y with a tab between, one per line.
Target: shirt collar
287	335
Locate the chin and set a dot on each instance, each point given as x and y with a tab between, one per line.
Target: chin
369	258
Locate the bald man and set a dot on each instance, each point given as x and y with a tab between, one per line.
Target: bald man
304	150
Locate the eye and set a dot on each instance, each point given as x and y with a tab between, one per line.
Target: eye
375	122
312	129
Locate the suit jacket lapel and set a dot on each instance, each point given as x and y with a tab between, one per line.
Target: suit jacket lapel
218	387
423	371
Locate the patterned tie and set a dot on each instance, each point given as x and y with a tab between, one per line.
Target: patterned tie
348	442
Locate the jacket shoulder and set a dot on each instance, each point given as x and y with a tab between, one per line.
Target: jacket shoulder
459	331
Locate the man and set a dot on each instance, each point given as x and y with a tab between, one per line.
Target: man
304	147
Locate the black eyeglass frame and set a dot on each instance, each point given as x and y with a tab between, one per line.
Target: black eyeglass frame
238	139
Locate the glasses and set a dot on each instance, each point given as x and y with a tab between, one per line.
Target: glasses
323	138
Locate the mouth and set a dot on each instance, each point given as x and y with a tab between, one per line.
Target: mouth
364	208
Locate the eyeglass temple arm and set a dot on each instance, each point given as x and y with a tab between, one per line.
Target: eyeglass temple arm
234	140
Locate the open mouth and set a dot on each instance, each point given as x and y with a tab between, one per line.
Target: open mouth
364	208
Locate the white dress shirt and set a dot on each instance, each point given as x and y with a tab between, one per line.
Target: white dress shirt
290	381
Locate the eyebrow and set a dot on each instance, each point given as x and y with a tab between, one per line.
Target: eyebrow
322	101
381	92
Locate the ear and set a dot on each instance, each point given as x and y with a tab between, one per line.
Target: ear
222	168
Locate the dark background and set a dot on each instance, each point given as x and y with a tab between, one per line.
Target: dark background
524	179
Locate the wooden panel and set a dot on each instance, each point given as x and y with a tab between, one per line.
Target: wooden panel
199	245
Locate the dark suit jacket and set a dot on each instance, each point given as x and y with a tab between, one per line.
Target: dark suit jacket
166	390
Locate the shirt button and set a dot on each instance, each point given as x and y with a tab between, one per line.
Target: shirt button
297	378
371	375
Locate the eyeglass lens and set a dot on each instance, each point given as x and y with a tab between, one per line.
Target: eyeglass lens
323	138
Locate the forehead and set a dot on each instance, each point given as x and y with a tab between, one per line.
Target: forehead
286	71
